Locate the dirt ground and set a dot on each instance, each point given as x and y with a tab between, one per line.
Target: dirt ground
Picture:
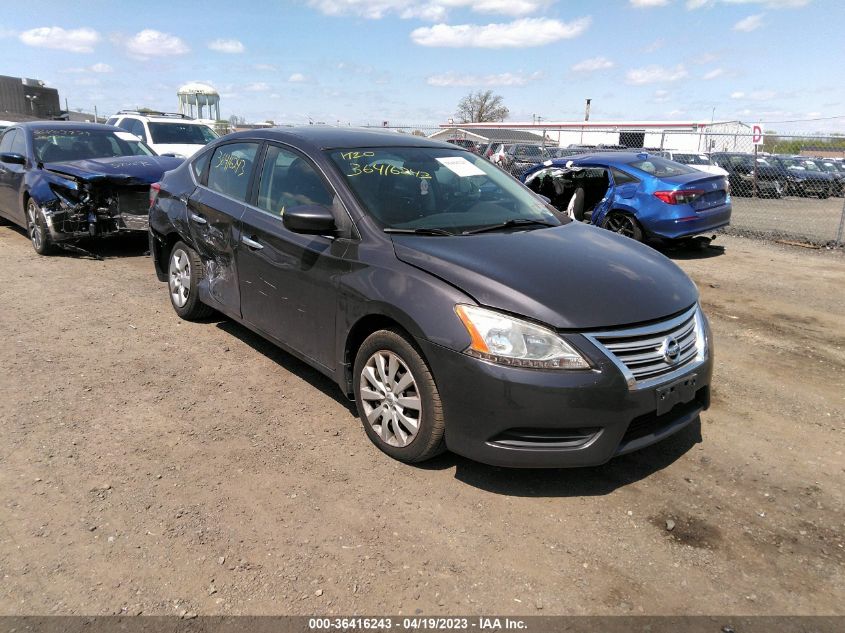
149	465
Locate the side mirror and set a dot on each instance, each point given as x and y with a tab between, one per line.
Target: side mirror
14	159
312	219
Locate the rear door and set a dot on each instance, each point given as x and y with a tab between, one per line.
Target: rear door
214	210
287	279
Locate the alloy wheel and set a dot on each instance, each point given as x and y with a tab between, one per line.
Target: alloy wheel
622	224
33	227
180	277
391	399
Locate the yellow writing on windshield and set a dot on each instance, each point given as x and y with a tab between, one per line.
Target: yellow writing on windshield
387	170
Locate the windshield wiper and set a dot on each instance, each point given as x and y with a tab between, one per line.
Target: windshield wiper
422	231
509	224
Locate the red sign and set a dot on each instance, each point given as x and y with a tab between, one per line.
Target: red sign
757	135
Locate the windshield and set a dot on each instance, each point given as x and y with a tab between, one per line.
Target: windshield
661	168
691	159
530	151
808	164
829	167
181	133
64	144
432	188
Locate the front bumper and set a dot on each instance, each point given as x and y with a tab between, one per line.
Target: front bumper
515	417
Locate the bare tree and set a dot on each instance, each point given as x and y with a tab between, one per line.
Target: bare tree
481	107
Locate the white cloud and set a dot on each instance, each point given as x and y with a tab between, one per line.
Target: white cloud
655	74
654	46
757	95
592	65
646	4
661	96
716	72
258	86
94	68
226	46
517	34
773	4
152	43
751	23
297	78
502	79
73	40
769	4
426	10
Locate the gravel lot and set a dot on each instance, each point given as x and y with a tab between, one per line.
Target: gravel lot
149	465
808	219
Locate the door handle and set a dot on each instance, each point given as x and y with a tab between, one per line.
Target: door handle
251	243
198	219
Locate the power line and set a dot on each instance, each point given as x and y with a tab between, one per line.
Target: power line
826	118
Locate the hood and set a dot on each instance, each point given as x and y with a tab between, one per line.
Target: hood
120	169
570	277
711	169
177	148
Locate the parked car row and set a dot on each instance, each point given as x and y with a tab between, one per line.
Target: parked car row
456	306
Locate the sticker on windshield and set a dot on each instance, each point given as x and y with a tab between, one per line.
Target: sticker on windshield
126	136
460	166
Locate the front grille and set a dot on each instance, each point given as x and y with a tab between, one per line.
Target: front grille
653	424
644	351
136	202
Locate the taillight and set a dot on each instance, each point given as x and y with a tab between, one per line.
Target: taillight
154	189
681	196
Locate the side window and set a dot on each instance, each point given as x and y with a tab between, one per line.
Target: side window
6	141
112	121
137	128
230	169
621	178
198	166
289	180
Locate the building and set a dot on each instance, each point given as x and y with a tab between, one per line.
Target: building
484	135
27	98
684	136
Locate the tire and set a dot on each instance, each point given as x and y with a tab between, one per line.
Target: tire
575	208
389	417
36	229
623	224
184	272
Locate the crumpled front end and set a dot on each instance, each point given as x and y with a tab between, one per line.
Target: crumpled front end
100	207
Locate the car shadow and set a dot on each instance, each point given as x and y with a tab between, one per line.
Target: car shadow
286	361
134	244
571	482
688	251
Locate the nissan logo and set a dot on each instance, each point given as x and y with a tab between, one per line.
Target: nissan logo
671	350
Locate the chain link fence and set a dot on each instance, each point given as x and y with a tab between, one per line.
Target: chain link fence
789	187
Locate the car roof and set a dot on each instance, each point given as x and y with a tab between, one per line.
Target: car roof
327	137
66	125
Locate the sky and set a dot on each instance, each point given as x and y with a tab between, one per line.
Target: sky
409	62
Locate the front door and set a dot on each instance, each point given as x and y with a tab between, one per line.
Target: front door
214	210
11	176
287	280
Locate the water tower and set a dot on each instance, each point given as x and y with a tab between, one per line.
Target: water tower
199	101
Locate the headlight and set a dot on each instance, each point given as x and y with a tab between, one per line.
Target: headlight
506	340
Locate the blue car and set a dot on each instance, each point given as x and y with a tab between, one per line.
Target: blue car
636	194
64	181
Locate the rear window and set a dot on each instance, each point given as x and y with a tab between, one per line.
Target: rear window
660	167
180	133
691	159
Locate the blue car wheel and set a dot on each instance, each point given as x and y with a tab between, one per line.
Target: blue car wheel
623	224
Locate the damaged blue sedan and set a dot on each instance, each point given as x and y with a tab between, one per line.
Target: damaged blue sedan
64	181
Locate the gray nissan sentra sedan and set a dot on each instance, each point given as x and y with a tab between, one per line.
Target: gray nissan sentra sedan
456	307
